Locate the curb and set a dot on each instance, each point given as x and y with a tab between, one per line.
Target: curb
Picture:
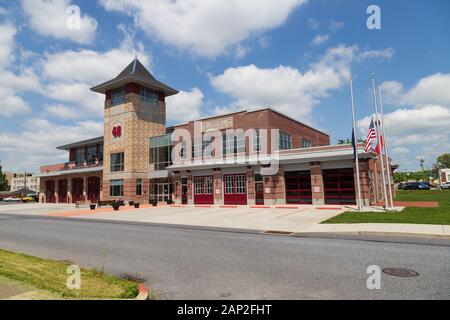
143	293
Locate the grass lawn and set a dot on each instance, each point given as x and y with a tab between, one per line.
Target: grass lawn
51	276
439	215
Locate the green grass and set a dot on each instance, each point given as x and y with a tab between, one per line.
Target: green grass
439	215
52	276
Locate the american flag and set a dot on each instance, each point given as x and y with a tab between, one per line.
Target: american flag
371	137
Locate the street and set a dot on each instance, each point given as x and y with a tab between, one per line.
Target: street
183	263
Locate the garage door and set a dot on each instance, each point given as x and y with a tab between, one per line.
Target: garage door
203	190
298	187
235	189
339	186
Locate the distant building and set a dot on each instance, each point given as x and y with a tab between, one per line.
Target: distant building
444	175
23	181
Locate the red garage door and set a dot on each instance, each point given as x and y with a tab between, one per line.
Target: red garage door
235	189
50	191
298	187
339	186
203	190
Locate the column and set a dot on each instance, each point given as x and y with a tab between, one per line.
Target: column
69	190
189	191
318	193
280	187
177	188
56	191
218	190
85	188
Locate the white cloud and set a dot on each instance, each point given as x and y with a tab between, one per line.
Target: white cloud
320	39
336	25
61	111
204	27
387	53
313	24
49	18
35	145
420	126
12	105
184	106
285	88
7	44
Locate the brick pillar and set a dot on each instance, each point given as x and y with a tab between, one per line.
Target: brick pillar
365	183
57	191
189	191
177	188
218	190
280	187
69	190
269	190
250	187
318	192
85	188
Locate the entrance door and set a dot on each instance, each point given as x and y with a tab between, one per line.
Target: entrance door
235	189
184	191
77	190
203	190
259	193
50	191
339	186
62	191
93	189
298	187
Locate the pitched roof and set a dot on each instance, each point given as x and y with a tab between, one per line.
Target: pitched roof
135	72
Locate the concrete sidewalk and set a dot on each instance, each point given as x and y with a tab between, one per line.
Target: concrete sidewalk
288	219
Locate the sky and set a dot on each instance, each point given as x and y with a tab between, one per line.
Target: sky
295	56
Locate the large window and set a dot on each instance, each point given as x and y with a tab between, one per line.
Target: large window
117	96
203	147
256	140
116	188
149	95
161	151
234	143
285	141
117	162
92	154
81	155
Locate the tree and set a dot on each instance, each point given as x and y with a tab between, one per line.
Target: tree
444	160
3	181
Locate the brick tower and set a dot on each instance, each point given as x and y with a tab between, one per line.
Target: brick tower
135	110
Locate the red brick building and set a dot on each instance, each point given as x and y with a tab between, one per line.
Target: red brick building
260	157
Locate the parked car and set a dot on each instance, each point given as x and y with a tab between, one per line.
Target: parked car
445	185
417	186
12	199
401	186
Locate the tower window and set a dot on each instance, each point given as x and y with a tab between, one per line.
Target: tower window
306	143
117	162
149	95
285	141
116	188
117	96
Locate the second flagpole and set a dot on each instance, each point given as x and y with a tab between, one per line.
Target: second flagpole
355	139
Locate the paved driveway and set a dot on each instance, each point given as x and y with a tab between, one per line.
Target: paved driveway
276	219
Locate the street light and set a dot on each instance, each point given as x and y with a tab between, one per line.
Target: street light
422	161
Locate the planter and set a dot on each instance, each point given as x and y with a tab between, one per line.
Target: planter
136	205
131	203
92	206
154	203
116	207
169	202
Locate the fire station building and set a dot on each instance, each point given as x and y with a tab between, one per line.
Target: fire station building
134	160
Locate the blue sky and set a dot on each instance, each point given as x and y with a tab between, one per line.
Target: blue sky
291	55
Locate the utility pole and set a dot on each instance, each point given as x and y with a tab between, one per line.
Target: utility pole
422	161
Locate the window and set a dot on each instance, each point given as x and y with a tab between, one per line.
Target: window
117	96
161	151
240	184
208	185
81	155
117	162
92	154
100	153
139	187
285	141
256	140
198	185
229	184
116	188
149	95
234	143
306	143
202	147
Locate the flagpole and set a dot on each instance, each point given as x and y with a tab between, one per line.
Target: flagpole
377	126
355	138
385	147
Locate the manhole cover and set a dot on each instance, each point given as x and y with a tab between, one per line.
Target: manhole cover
400	272
225	295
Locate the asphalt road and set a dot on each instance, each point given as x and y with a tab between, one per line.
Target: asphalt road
181	263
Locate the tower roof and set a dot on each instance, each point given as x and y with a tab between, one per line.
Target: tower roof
137	73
